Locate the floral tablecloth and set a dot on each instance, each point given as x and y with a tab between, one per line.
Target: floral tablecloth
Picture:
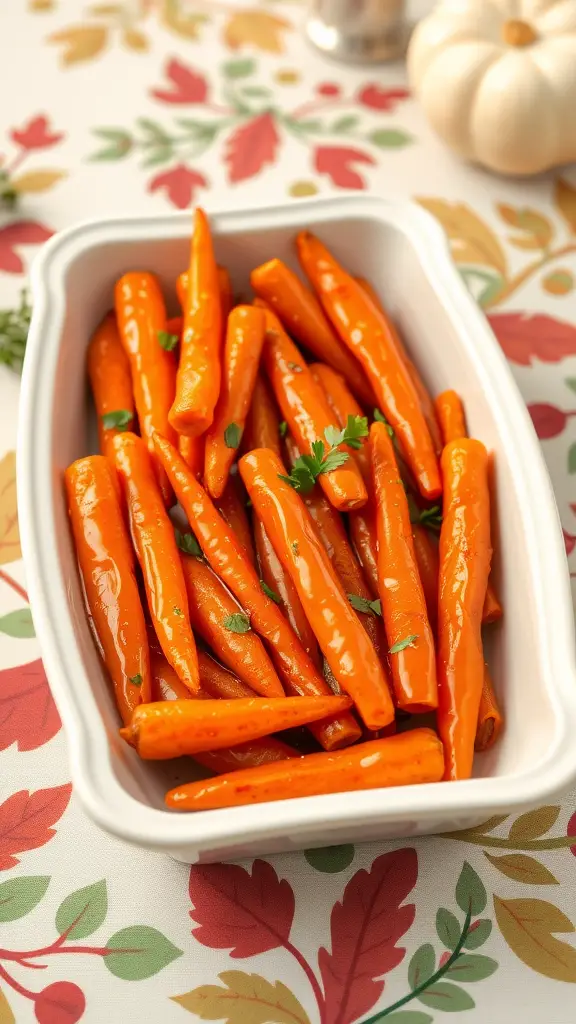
140	105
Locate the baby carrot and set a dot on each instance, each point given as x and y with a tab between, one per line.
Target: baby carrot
220	621
490	720
411	644
106	563
465	554
301	314
409	758
452	421
109	373
342	639
232	508
343	404
192	451
424	396
165	683
263	421
244	340
153	538
226	556
426	551
142	325
224	289
306	410
368	334
278	581
198	378
365	542
178	727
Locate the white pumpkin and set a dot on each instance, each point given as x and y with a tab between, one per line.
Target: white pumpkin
497	80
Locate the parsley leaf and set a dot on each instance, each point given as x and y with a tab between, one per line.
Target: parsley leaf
380	418
362	604
136	680
408	641
269	592
238	622
168	341
294	367
177	611
188	544
431	517
283	428
295	547
308	468
120	419
232	435
14	326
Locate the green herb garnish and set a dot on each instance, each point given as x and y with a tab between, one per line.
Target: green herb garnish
402	644
177	611
14	326
380	418
295	367
307	468
232	435
136	680
239	622
269	592
168	341
362	604
120	419
431	517
283	428
188	544
295	547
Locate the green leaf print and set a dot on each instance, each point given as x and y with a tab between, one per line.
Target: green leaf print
139	952
448	927
470	891
83	911
19	896
18	624
472	967
330	859
447	997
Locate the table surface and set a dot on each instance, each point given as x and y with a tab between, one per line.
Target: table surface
143	106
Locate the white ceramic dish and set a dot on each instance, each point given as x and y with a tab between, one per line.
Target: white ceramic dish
400	249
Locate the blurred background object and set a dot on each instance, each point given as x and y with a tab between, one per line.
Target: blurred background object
358	31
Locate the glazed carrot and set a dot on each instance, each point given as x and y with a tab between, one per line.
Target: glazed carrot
338	630
165	683
224	288
409	758
174	326
330	530
490	719
426	551
153	538
368	334
465	554
244	340
226	556
453	425
301	314
106	563
178	727
263	421
365	543
424	396
220	621
192	451
278	581
141	316
343	404
110	380
306	410
410	640
198	378
450	414
232	508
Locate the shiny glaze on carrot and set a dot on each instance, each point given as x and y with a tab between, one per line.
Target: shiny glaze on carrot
465	554
303	317
365	543
224	288
107	566
228	559
211	604
110	379
242	348
424	395
306	410
343	404
153	538
141	316
490	717
232	507
192	451
198	378
174	728
426	551
409	758
403	602
368	334
274	575
263	420
341	637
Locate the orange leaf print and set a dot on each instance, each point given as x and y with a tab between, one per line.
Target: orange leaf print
256	28
244	999
10	550
81	42
37	181
471	240
527	927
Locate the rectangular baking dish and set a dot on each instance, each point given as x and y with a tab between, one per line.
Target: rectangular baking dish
403	252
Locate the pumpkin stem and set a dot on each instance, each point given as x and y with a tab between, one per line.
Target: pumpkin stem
518	33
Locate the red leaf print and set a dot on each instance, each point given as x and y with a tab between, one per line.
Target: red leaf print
328	89
28	714
569	544
527	336
63	1002
571	831
377	98
36	134
188	86
26	820
180	184
336	162
247	914
547	419
22	232
250	147
364	928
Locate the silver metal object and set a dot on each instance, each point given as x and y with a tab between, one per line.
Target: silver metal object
358	31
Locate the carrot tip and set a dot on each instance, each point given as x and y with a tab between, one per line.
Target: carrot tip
129	733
